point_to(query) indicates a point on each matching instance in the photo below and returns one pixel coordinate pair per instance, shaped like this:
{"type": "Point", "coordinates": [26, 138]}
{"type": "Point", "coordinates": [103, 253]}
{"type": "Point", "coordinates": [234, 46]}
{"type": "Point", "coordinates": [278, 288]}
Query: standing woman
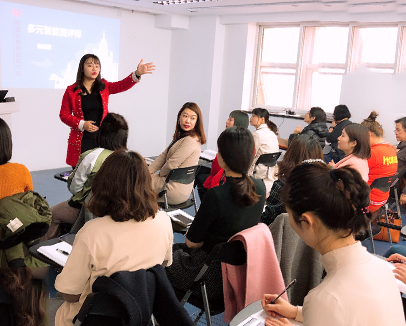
{"type": "Point", "coordinates": [225, 210]}
{"type": "Point", "coordinates": [182, 152]}
{"type": "Point", "coordinates": [14, 177]}
{"type": "Point", "coordinates": [333, 210]}
{"type": "Point", "coordinates": [266, 141]}
{"type": "Point", "coordinates": [382, 163]}
{"type": "Point", "coordinates": [85, 103]}
{"type": "Point", "coordinates": [354, 142]}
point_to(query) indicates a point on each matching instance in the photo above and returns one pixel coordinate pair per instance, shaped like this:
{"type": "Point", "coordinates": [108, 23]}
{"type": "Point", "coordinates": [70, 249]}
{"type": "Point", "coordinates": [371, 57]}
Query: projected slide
{"type": "Point", "coordinates": [41, 48]}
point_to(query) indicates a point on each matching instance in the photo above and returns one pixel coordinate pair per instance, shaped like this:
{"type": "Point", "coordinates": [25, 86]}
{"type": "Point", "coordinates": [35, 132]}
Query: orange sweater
{"type": "Point", "coordinates": [383, 163]}
{"type": "Point", "coordinates": [14, 178]}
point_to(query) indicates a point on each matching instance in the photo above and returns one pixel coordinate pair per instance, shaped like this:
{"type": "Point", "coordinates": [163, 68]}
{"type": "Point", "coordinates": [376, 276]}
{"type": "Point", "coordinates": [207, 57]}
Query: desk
{"type": "Point", "coordinates": [69, 238]}
{"type": "Point", "coordinates": [249, 310]}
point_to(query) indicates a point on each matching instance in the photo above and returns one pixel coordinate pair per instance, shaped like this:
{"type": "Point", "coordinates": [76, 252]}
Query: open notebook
{"type": "Point", "coordinates": [258, 319]}
{"type": "Point", "coordinates": [59, 252]}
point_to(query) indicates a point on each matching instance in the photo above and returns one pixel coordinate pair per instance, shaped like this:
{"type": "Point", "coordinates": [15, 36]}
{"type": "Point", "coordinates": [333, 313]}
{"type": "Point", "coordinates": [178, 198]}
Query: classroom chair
{"type": "Point", "coordinates": [130, 298]}
{"type": "Point", "coordinates": [184, 176]}
{"type": "Point", "coordinates": [232, 253]}
{"type": "Point", "coordinates": [268, 160]}
{"type": "Point", "coordinates": [384, 184]}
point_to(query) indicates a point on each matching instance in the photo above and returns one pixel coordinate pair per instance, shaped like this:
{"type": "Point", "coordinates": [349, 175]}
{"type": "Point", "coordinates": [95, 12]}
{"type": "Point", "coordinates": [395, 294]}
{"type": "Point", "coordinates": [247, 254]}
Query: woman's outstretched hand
{"type": "Point", "coordinates": [400, 267]}
{"type": "Point", "coordinates": [144, 68]}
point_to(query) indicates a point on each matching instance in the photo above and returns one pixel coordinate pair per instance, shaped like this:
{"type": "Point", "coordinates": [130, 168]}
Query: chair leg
{"type": "Point", "coordinates": [166, 201]}
{"type": "Point", "coordinates": [206, 303]}
{"type": "Point", "coordinates": [198, 317]}
{"type": "Point", "coordinates": [371, 238]}
{"type": "Point", "coordinates": [397, 205]}
{"type": "Point", "coordinates": [387, 221]}
{"type": "Point", "coordinates": [194, 200]}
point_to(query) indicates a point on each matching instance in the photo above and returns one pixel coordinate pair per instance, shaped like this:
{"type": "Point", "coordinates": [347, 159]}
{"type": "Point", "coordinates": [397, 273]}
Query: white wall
{"type": "Point", "coordinates": [196, 72]}
{"type": "Point", "coordinates": [40, 138]}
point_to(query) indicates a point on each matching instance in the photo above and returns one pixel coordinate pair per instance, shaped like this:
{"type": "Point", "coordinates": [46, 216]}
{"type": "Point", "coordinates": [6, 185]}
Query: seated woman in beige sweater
{"type": "Point", "coordinates": [182, 152]}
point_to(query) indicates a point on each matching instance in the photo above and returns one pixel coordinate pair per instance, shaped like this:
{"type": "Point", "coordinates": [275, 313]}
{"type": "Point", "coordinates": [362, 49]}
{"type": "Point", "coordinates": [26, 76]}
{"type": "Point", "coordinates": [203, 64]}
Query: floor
{"type": "Point", "coordinates": [56, 191]}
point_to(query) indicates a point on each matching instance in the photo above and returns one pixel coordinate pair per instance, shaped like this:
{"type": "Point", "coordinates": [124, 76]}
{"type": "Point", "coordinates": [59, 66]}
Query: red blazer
{"type": "Point", "coordinates": [71, 112]}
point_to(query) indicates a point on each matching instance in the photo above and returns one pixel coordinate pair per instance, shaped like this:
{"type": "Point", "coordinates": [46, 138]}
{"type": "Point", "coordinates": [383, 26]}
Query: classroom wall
{"type": "Point", "coordinates": [40, 138]}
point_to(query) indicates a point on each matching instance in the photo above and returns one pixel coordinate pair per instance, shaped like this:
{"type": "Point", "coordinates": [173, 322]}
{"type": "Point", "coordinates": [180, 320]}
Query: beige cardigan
{"type": "Point", "coordinates": [184, 153]}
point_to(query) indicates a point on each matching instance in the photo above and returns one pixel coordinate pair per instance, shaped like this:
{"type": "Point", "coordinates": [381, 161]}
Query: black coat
{"type": "Point", "coordinates": [319, 131]}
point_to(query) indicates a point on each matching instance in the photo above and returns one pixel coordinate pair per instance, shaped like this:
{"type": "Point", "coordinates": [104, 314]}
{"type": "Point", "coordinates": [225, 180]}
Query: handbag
{"type": "Point", "coordinates": [394, 234]}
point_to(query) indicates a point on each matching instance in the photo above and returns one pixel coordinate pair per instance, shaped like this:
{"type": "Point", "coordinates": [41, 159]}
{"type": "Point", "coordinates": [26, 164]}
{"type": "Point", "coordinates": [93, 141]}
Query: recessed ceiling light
{"type": "Point", "coordinates": [179, 2]}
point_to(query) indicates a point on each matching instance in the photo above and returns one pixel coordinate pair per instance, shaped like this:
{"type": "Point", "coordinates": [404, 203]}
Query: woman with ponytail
{"type": "Point", "coordinates": [335, 208]}
{"type": "Point", "coordinates": [266, 141]}
{"type": "Point", "coordinates": [225, 210]}
{"type": "Point", "coordinates": [382, 163]}
{"type": "Point", "coordinates": [28, 296]}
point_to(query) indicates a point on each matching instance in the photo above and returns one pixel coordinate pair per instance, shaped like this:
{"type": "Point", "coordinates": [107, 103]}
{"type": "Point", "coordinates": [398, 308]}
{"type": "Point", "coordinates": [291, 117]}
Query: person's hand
{"type": "Point", "coordinates": [333, 123]}
{"type": "Point", "coordinates": [89, 126]}
{"type": "Point", "coordinates": [402, 199]}
{"type": "Point", "coordinates": [144, 68]}
{"type": "Point", "coordinates": [331, 163]}
{"type": "Point", "coordinates": [298, 130]}
{"type": "Point", "coordinates": [276, 322]}
{"type": "Point", "coordinates": [280, 308]}
{"type": "Point", "coordinates": [396, 258]}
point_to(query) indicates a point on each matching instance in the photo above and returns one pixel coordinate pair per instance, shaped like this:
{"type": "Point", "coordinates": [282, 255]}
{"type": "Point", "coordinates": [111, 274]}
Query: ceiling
{"type": "Point", "coordinates": [244, 7]}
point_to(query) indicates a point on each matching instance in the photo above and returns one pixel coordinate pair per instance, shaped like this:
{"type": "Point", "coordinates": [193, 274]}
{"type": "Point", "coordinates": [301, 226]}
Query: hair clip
{"type": "Point", "coordinates": [363, 210]}
{"type": "Point", "coordinates": [314, 160]}
{"type": "Point", "coordinates": [334, 176]}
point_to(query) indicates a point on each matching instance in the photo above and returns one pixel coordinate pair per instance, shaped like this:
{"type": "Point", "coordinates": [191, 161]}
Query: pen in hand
{"type": "Point", "coordinates": [289, 285]}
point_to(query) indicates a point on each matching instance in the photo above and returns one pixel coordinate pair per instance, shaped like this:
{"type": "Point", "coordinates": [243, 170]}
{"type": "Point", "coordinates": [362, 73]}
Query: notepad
{"type": "Point", "coordinates": [181, 217]}
{"type": "Point", "coordinates": [208, 154]}
{"type": "Point", "coordinates": [53, 252]}
{"type": "Point", "coordinates": [258, 319]}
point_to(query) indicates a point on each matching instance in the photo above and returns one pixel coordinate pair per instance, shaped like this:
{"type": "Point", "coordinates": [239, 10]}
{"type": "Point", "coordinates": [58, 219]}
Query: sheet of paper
{"type": "Point", "coordinates": [258, 319]}
{"type": "Point", "coordinates": [401, 285]}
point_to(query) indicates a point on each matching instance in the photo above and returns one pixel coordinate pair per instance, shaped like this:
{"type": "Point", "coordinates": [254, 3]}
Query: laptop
{"type": "Point", "coordinates": [3, 94]}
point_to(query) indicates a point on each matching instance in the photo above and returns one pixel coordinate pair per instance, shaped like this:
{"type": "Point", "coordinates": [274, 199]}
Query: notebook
{"type": "Point", "coordinates": [208, 155]}
{"type": "Point", "coordinates": [58, 252]}
{"type": "Point", "coordinates": [181, 217]}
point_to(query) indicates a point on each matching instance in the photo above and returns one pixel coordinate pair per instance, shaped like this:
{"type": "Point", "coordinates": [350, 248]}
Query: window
{"type": "Point", "coordinates": [374, 48]}
{"type": "Point", "coordinates": [303, 66]}
{"type": "Point", "coordinates": [323, 66]}
{"type": "Point", "coordinates": [277, 67]}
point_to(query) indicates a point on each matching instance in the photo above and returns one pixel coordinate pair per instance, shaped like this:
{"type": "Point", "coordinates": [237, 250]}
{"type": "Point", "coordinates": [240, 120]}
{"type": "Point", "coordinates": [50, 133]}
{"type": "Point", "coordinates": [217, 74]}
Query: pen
{"type": "Point", "coordinates": [63, 252]}
{"type": "Point", "coordinates": [289, 285]}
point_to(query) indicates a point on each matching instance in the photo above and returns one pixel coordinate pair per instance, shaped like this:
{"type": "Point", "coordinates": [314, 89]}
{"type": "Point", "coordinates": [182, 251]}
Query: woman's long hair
{"type": "Point", "coordinates": [359, 133]}
{"type": "Point", "coordinates": [6, 143]}
{"type": "Point", "coordinates": [198, 130]}
{"type": "Point", "coordinates": [122, 188]}
{"type": "Point", "coordinates": [29, 295]}
{"type": "Point", "coordinates": [262, 113]}
{"type": "Point", "coordinates": [98, 84]}
{"type": "Point", "coordinates": [303, 147]}
{"type": "Point", "coordinates": [236, 147]}
{"type": "Point", "coordinates": [339, 197]}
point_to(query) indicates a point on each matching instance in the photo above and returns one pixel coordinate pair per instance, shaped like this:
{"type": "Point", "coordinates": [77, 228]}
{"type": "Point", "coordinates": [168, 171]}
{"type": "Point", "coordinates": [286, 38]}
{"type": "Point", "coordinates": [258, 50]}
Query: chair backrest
{"type": "Point", "coordinates": [183, 175]}
{"type": "Point", "coordinates": [384, 183]}
{"type": "Point", "coordinates": [232, 253]}
{"type": "Point", "coordinates": [269, 159]}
